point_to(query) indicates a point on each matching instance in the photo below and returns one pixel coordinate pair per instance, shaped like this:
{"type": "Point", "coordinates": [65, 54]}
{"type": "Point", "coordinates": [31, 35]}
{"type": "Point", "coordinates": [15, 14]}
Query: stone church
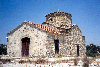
{"type": "Point", "coordinates": [56, 36]}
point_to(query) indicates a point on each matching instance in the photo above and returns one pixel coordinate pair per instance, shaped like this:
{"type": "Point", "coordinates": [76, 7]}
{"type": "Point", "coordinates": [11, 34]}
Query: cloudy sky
{"type": "Point", "coordinates": [85, 13]}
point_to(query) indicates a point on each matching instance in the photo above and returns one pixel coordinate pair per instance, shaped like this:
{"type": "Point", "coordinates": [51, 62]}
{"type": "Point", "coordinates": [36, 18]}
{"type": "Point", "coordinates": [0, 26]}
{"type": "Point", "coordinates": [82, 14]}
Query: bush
{"type": "Point", "coordinates": [21, 61]}
{"type": "Point", "coordinates": [4, 61]}
{"type": "Point", "coordinates": [39, 61]}
{"type": "Point", "coordinates": [59, 56]}
{"type": "Point", "coordinates": [24, 61]}
{"type": "Point", "coordinates": [85, 62]}
{"type": "Point", "coordinates": [76, 61]}
{"type": "Point", "coordinates": [3, 51]}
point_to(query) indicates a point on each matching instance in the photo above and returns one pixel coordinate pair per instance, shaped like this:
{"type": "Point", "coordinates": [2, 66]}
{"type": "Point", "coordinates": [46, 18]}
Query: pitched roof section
{"type": "Point", "coordinates": [43, 27]}
{"type": "Point", "coordinates": [37, 25]}
{"type": "Point", "coordinates": [48, 24]}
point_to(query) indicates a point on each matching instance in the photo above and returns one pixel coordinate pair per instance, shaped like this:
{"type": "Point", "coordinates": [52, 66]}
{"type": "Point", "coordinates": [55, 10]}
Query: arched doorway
{"type": "Point", "coordinates": [25, 46]}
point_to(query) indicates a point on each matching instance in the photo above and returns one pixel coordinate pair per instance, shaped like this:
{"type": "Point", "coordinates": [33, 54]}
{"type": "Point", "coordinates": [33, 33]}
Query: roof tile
{"type": "Point", "coordinates": [48, 29]}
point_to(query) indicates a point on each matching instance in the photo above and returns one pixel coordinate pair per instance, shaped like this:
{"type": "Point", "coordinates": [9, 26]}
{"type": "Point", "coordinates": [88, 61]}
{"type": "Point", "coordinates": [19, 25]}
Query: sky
{"type": "Point", "coordinates": [85, 13]}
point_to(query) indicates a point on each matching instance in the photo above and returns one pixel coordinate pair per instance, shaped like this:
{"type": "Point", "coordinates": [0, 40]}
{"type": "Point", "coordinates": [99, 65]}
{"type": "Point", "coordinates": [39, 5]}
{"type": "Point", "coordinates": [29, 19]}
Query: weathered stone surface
{"type": "Point", "coordinates": [42, 41]}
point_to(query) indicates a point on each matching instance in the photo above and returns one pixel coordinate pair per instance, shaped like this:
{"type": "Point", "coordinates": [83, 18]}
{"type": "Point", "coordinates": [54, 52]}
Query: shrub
{"type": "Point", "coordinates": [76, 61]}
{"type": "Point", "coordinates": [21, 61]}
{"type": "Point", "coordinates": [85, 62]}
{"type": "Point", "coordinates": [5, 60]}
{"type": "Point", "coordinates": [24, 61]}
{"type": "Point", "coordinates": [39, 61]}
{"type": "Point", "coordinates": [59, 56]}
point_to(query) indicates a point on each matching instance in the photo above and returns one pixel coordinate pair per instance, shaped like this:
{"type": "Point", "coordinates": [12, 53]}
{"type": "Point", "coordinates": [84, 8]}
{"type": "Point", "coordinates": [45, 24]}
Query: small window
{"type": "Point", "coordinates": [77, 50]}
{"type": "Point", "coordinates": [24, 27]}
{"type": "Point", "coordinates": [7, 39]}
{"type": "Point", "coordinates": [51, 20]}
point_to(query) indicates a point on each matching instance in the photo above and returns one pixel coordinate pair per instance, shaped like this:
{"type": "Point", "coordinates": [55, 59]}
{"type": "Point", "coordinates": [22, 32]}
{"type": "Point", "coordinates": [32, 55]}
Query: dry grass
{"type": "Point", "coordinates": [76, 61]}
{"type": "Point", "coordinates": [65, 61]}
{"type": "Point", "coordinates": [4, 61]}
{"type": "Point", "coordinates": [98, 57]}
{"type": "Point", "coordinates": [24, 61]}
{"type": "Point", "coordinates": [0, 56]}
{"type": "Point", "coordinates": [86, 62]}
{"type": "Point", "coordinates": [41, 61]}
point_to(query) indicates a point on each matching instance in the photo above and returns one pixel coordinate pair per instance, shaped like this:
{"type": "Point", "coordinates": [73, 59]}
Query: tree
{"type": "Point", "coordinates": [92, 50]}
{"type": "Point", "coordinates": [3, 50]}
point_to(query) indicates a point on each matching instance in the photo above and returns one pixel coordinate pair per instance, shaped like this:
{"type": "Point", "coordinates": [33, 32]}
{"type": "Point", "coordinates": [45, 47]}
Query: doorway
{"type": "Point", "coordinates": [25, 46]}
{"type": "Point", "coordinates": [56, 46]}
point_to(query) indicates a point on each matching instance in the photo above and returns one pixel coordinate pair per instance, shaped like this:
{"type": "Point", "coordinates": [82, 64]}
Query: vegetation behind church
{"type": "Point", "coordinates": [92, 50]}
{"type": "Point", "coordinates": [3, 49]}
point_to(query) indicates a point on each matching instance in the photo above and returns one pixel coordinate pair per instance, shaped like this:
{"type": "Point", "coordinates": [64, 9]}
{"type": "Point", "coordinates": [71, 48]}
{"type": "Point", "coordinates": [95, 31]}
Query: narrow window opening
{"type": "Point", "coordinates": [7, 39]}
{"type": "Point", "coordinates": [51, 20]}
{"type": "Point", "coordinates": [24, 27]}
{"type": "Point", "coordinates": [56, 46]}
{"type": "Point", "coordinates": [77, 50]}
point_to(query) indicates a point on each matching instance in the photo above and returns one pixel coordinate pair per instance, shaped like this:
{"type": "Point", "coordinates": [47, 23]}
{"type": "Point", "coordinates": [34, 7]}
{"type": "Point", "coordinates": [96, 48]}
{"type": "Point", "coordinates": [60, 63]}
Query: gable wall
{"type": "Point", "coordinates": [77, 39]}
{"type": "Point", "coordinates": [37, 41]}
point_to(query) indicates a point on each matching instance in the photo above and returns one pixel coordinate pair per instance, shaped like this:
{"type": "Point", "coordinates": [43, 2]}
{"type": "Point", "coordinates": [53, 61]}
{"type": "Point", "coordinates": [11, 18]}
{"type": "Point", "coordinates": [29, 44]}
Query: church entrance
{"type": "Point", "coordinates": [25, 46]}
{"type": "Point", "coordinates": [56, 46]}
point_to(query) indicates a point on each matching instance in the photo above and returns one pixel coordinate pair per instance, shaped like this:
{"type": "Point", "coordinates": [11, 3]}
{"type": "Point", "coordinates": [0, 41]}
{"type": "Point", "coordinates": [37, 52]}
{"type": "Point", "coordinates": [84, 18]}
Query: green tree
{"type": "Point", "coordinates": [3, 50]}
{"type": "Point", "coordinates": [92, 50]}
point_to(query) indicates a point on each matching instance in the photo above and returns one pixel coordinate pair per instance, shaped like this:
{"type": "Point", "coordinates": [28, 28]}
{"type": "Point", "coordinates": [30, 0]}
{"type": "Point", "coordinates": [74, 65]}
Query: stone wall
{"type": "Point", "coordinates": [60, 21]}
{"type": "Point", "coordinates": [37, 40]}
{"type": "Point", "coordinates": [77, 39]}
{"type": "Point", "coordinates": [67, 43]}
{"type": "Point", "coordinates": [42, 42]}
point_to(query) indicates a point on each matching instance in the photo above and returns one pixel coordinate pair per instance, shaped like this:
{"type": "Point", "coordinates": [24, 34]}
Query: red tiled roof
{"type": "Point", "coordinates": [43, 27]}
